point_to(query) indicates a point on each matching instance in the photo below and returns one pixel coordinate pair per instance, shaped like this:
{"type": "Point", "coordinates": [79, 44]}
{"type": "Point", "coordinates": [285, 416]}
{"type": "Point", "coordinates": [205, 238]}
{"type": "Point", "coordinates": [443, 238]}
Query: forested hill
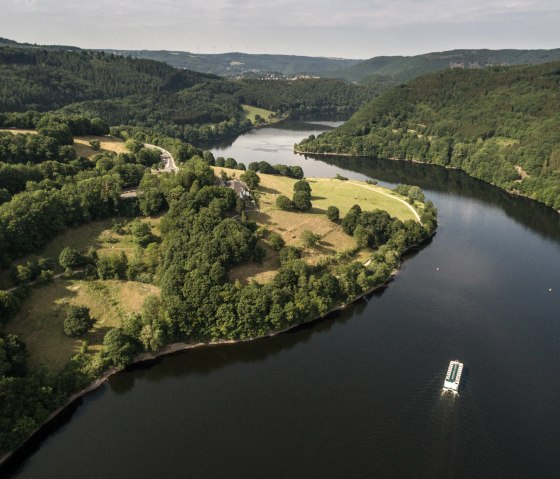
{"type": "Point", "coordinates": [195, 107]}
{"type": "Point", "coordinates": [398, 69]}
{"type": "Point", "coordinates": [47, 79]}
{"type": "Point", "coordinates": [236, 64]}
{"type": "Point", "coordinates": [500, 124]}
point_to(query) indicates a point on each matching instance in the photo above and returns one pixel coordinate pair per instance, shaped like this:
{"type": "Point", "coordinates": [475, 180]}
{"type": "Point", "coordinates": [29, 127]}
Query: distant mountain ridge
{"type": "Point", "coordinates": [400, 69]}
{"type": "Point", "coordinates": [235, 64]}
{"type": "Point", "coordinates": [387, 70]}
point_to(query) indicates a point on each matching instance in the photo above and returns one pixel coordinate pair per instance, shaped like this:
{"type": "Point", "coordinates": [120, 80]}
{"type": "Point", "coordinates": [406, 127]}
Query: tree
{"type": "Point", "coordinates": [118, 348]}
{"type": "Point", "coordinates": [142, 233]}
{"type": "Point", "coordinates": [309, 239]}
{"type": "Point", "coordinates": [415, 194]}
{"type": "Point", "coordinates": [333, 213]}
{"type": "Point", "coordinates": [9, 304]}
{"type": "Point", "coordinates": [69, 258]}
{"type": "Point", "coordinates": [284, 203]}
{"type": "Point", "coordinates": [302, 200]}
{"type": "Point", "coordinates": [276, 241]}
{"type": "Point", "coordinates": [230, 163]}
{"type": "Point", "coordinates": [302, 185]}
{"type": "Point", "coordinates": [78, 321]}
{"type": "Point", "coordinates": [251, 179]}
{"type": "Point", "coordinates": [95, 145]}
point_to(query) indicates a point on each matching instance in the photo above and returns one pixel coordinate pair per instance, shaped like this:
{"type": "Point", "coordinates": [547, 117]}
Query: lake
{"type": "Point", "coordinates": [358, 394]}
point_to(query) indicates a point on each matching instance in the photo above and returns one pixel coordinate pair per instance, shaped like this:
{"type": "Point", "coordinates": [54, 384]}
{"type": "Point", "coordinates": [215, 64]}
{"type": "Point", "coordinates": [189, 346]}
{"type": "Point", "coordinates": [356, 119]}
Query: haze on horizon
{"type": "Point", "coordinates": [349, 29]}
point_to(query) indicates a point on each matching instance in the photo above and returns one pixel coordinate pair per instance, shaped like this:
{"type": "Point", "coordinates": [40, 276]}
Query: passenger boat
{"type": "Point", "coordinates": [453, 376]}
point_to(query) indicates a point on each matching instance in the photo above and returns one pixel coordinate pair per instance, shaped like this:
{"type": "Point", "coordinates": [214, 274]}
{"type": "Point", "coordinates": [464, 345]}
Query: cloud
{"type": "Point", "coordinates": [331, 27]}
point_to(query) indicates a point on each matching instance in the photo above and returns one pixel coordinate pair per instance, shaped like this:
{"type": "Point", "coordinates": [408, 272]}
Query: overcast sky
{"type": "Point", "coordinates": [349, 28]}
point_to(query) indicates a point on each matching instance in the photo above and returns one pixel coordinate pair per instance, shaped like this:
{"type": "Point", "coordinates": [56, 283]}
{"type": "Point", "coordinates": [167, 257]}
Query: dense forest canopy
{"type": "Point", "coordinates": [192, 106]}
{"type": "Point", "coordinates": [500, 125]}
{"type": "Point", "coordinates": [397, 69]}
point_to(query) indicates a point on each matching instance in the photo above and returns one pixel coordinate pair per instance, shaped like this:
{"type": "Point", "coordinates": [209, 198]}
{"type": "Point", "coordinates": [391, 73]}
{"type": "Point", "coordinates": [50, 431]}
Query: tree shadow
{"type": "Point", "coordinates": [265, 189]}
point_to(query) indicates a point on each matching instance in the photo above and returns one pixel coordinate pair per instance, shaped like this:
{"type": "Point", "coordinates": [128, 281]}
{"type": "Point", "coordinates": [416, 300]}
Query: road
{"type": "Point", "coordinates": [166, 158]}
{"type": "Point", "coordinates": [169, 167]}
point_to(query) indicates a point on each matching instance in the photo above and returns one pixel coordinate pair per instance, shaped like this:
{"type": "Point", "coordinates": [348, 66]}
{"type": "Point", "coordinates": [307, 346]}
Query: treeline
{"type": "Point", "coordinates": [499, 125]}
{"type": "Point", "coordinates": [305, 97]}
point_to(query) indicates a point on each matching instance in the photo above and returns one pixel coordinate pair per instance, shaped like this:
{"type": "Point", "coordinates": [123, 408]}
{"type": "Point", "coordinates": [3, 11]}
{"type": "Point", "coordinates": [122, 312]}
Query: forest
{"type": "Point", "coordinates": [191, 106]}
{"type": "Point", "coordinates": [499, 125]}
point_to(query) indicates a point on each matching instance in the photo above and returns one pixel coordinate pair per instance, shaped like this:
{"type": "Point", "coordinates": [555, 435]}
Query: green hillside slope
{"type": "Point", "coordinates": [500, 124]}
{"type": "Point", "coordinates": [400, 68]}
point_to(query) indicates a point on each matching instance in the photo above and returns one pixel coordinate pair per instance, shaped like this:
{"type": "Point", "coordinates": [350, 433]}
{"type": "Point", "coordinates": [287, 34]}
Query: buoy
{"type": "Point", "coordinates": [550, 289]}
{"type": "Point", "coordinates": [437, 269]}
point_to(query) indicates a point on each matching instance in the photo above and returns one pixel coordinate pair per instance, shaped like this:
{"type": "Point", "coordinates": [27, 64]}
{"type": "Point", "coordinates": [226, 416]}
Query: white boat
{"type": "Point", "coordinates": [453, 376]}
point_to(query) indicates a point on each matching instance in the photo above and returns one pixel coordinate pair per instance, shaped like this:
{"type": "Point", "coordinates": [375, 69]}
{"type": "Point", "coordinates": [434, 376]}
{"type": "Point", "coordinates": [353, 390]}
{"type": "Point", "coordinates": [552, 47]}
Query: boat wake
{"type": "Point", "coordinates": [434, 434]}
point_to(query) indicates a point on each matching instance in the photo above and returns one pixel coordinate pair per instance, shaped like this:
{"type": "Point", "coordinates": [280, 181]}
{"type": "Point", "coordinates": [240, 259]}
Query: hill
{"type": "Point", "coordinates": [195, 107]}
{"type": "Point", "coordinates": [237, 64]}
{"type": "Point", "coordinates": [499, 124]}
{"type": "Point", "coordinates": [397, 69]}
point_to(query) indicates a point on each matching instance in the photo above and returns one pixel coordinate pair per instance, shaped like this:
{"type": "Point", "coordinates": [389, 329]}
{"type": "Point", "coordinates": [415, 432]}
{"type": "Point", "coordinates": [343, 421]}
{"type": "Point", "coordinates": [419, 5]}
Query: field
{"type": "Point", "coordinates": [40, 320]}
{"type": "Point", "coordinates": [290, 225]}
{"type": "Point", "coordinates": [108, 143]}
{"type": "Point", "coordinates": [251, 111]}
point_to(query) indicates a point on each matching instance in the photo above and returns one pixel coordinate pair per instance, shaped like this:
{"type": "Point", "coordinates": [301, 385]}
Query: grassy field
{"type": "Point", "coordinates": [97, 234]}
{"type": "Point", "coordinates": [251, 111]}
{"type": "Point", "coordinates": [40, 320]}
{"type": "Point", "coordinates": [290, 225]}
{"type": "Point", "coordinates": [81, 143]}
{"type": "Point", "coordinates": [108, 143]}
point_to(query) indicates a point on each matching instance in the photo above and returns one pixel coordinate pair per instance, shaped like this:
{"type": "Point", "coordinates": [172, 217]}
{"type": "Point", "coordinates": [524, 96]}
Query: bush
{"type": "Point", "coordinates": [333, 213]}
{"type": "Point", "coordinates": [309, 239]}
{"type": "Point", "coordinates": [95, 145]}
{"type": "Point", "coordinates": [276, 241]}
{"type": "Point", "coordinates": [289, 253]}
{"type": "Point", "coordinates": [69, 258]}
{"type": "Point", "coordinates": [78, 321]}
{"type": "Point", "coordinates": [284, 203]}
{"type": "Point", "coordinates": [9, 305]}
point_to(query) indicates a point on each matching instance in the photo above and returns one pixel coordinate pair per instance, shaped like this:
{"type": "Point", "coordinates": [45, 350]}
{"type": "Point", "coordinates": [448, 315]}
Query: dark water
{"type": "Point", "coordinates": [359, 394]}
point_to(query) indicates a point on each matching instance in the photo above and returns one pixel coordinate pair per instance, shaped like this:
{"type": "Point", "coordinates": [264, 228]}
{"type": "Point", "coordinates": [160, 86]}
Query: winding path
{"type": "Point", "coordinates": [166, 157]}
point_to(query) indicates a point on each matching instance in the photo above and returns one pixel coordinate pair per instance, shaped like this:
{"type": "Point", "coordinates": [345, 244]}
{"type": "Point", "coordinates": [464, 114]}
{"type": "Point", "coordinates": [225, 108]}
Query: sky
{"type": "Point", "coordinates": [331, 28]}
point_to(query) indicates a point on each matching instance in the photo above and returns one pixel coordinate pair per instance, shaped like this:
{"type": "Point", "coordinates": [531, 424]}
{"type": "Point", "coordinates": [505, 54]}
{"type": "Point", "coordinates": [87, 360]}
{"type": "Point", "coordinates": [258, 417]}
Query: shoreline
{"type": "Point", "coordinates": [447, 167]}
{"type": "Point", "coordinates": [173, 348]}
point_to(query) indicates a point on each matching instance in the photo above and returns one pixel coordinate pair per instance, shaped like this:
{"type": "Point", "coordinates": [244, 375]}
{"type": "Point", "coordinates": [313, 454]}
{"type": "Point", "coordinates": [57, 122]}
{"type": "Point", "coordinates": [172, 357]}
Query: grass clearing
{"type": "Point", "coordinates": [290, 225]}
{"type": "Point", "coordinates": [251, 111]}
{"type": "Point", "coordinates": [40, 321]}
{"type": "Point", "coordinates": [108, 143]}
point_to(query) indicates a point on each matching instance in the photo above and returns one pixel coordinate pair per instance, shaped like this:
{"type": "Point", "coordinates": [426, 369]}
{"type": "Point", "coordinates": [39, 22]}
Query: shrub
{"type": "Point", "coordinates": [69, 258]}
{"type": "Point", "coordinates": [309, 239]}
{"type": "Point", "coordinates": [276, 241]}
{"type": "Point", "coordinates": [78, 321]}
{"type": "Point", "coordinates": [284, 203]}
{"type": "Point", "coordinates": [333, 213]}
